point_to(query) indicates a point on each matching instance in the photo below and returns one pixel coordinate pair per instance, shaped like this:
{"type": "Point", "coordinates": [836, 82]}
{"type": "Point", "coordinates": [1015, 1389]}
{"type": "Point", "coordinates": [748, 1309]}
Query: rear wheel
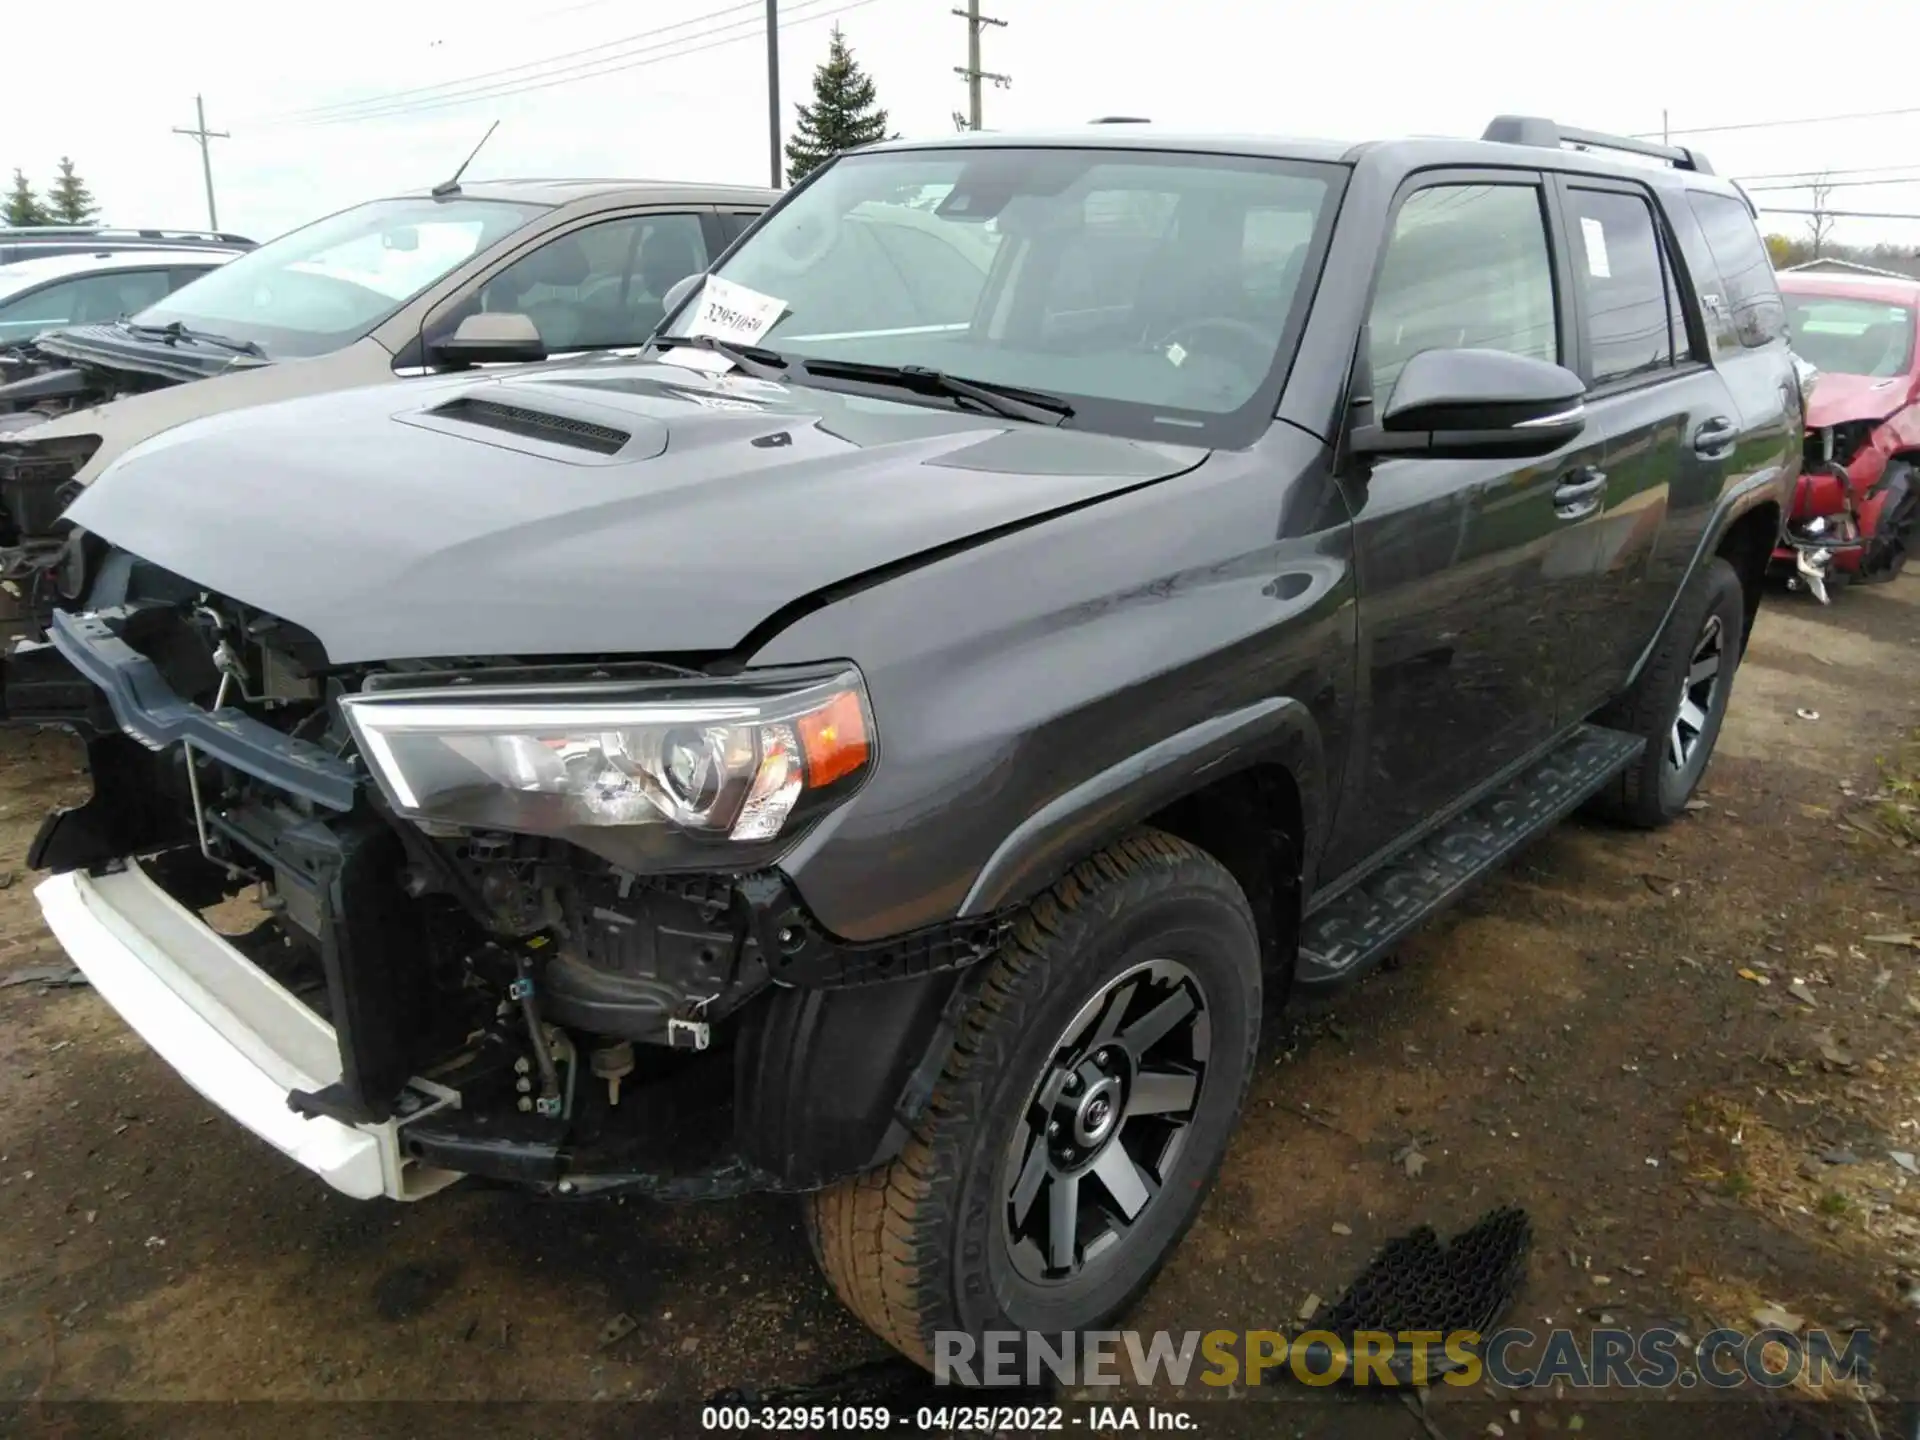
{"type": "Point", "coordinates": [1679, 701]}
{"type": "Point", "coordinates": [1081, 1119]}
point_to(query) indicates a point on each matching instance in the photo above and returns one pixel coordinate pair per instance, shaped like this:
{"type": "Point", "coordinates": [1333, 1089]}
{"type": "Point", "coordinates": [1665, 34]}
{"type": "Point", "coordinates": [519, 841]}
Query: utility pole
{"type": "Point", "coordinates": [202, 134]}
{"type": "Point", "coordinates": [1665, 138]}
{"type": "Point", "coordinates": [972, 71]}
{"type": "Point", "coordinates": [773, 92]}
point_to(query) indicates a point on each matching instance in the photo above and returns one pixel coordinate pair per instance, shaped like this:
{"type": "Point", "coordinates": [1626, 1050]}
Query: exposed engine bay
{"type": "Point", "coordinates": [36, 385]}
{"type": "Point", "coordinates": [512, 990]}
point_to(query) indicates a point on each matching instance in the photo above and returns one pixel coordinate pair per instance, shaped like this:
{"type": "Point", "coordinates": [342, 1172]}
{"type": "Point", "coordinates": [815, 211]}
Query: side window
{"type": "Point", "coordinates": [1621, 279]}
{"type": "Point", "coordinates": [107, 297]}
{"type": "Point", "coordinates": [597, 287]}
{"type": "Point", "coordinates": [1750, 297]}
{"type": "Point", "coordinates": [33, 313]}
{"type": "Point", "coordinates": [1466, 265]}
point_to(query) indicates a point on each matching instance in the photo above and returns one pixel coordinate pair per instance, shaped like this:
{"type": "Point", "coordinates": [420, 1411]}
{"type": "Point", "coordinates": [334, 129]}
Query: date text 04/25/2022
{"type": "Point", "coordinates": [947, 1419]}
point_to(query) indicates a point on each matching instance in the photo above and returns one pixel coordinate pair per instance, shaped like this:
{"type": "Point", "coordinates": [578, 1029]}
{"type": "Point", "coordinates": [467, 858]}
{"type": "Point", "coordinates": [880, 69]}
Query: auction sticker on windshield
{"type": "Point", "coordinates": [726, 311]}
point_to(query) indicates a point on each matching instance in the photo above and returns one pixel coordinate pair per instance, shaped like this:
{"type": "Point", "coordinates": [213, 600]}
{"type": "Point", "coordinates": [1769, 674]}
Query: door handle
{"type": "Point", "coordinates": [1579, 493]}
{"type": "Point", "coordinates": [1714, 439]}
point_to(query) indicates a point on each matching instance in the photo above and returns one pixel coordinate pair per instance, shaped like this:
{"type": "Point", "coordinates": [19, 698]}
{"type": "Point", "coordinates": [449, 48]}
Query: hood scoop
{"type": "Point", "coordinates": [571, 430]}
{"type": "Point", "coordinates": [535, 424]}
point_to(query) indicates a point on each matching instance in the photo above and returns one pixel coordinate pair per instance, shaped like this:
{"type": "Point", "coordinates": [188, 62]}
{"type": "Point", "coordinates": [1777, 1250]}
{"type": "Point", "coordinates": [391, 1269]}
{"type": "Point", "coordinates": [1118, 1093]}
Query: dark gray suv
{"type": "Point", "coordinates": [1038, 601]}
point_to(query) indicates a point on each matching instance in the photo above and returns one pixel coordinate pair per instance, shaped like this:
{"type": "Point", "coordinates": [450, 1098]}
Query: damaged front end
{"type": "Point", "coordinates": [1855, 509]}
{"type": "Point", "coordinates": [44, 561]}
{"type": "Point", "coordinates": [520, 922]}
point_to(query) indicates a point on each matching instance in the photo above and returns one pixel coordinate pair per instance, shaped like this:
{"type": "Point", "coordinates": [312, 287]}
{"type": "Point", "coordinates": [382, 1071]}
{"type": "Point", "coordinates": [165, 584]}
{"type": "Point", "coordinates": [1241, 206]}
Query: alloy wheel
{"type": "Point", "coordinates": [1698, 693]}
{"type": "Point", "coordinates": [1104, 1125]}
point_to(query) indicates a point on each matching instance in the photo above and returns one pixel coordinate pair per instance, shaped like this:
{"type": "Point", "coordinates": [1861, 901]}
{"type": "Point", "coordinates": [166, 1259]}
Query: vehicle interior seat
{"type": "Point", "coordinates": [667, 256]}
{"type": "Point", "coordinates": [560, 266]}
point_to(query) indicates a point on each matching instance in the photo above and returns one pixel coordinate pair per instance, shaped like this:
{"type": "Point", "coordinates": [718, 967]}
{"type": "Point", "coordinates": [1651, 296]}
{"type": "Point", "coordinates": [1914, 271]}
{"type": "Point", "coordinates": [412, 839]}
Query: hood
{"type": "Point", "coordinates": [111, 347]}
{"type": "Point", "coordinates": [1837, 398]}
{"type": "Point", "coordinates": [629, 508]}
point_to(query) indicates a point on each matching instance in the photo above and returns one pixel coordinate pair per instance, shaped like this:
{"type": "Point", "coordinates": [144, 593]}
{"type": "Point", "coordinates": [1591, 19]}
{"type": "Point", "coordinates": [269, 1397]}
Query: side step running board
{"type": "Point", "coordinates": [1358, 927]}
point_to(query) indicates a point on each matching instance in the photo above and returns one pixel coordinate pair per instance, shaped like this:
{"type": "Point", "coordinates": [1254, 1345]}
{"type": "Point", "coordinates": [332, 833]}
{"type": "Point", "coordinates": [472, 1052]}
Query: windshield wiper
{"type": "Point", "coordinates": [753, 360]}
{"type": "Point", "coordinates": [174, 331]}
{"type": "Point", "coordinates": [1008, 401]}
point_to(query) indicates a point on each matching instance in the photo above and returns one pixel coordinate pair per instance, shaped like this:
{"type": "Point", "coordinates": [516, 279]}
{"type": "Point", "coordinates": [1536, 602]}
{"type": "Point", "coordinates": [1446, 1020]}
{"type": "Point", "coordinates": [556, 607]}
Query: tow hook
{"type": "Point", "coordinates": [1813, 545]}
{"type": "Point", "coordinates": [1810, 567]}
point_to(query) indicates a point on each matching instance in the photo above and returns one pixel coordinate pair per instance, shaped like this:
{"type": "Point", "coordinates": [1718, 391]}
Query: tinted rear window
{"type": "Point", "coordinates": [1748, 292]}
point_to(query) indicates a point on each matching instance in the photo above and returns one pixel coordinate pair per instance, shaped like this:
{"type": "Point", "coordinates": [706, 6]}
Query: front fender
{"type": "Point", "coordinates": [1082, 819]}
{"type": "Point", "coordinates": [1037, 694]}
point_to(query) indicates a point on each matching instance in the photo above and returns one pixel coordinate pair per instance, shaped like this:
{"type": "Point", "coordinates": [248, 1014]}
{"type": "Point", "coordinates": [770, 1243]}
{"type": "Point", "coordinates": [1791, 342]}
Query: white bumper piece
{"type": "Point", "coordinates": [233, 1032]}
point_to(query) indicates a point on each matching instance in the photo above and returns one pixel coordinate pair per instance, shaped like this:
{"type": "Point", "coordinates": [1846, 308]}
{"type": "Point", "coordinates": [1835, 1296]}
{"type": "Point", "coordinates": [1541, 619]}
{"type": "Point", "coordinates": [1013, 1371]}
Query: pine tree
{"type": "Point", "coordinates": [69, 201]}
{"type": "Point", "coordinates": [844, 113]}
{"type": "Point", "coordinates": [22, 205]}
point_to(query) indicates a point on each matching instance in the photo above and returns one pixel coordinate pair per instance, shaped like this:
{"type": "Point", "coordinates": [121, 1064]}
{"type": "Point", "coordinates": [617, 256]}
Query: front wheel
{"type": "Point", "coordinates": [1678, 703]}
{"type": "Point", "coordinates": [1080, 1120]}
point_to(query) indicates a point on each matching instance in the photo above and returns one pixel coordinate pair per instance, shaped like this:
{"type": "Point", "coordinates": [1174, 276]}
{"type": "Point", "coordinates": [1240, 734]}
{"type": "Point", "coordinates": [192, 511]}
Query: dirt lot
{"type": "Point", "coordinates": [1681, 1052]}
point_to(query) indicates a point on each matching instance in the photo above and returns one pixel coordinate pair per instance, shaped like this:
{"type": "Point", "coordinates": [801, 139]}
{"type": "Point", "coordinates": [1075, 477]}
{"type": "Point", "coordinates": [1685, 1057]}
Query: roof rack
{"type": "Point", "coordinates": [1120, 120]}
{"type": "Point", "coordinates": [110, 232]}
{"type": "Point", "coordinates": [1546, 134]}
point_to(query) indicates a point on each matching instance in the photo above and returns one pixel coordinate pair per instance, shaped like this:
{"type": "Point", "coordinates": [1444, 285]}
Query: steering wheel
{"type": "Point", "coordinates": [1246, 345]}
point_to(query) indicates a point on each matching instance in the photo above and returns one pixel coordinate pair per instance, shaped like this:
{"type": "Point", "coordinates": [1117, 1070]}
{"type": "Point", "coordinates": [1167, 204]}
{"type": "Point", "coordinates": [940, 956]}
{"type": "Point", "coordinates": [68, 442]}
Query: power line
{"type": "Point", "coordinates": [1845, 214]}
{"type": "Point", "coordinates": [203, 135]}
{"type": "Point", "coordinates": [338, 107]}
{"type": "Point", "coordinates": [1780, 124]}
{"type": "Point", "coordinates": [1817, 174]}
{"type": "Point", "coordinates": [971, 71]}
{"type": "Point", "coordinates": [654, 54]}
{"type": "Point", "coordinates": [1824, 184]}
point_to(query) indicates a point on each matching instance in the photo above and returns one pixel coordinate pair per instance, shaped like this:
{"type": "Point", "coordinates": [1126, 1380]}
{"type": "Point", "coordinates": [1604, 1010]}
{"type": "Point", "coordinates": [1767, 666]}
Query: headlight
{"type": "Point", "coordinates": [731, 759]}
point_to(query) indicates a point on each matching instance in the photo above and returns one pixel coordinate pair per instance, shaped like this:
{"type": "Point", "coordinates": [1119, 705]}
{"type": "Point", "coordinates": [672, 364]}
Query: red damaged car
{"type": "Point", "coordinates": [1858, 500]}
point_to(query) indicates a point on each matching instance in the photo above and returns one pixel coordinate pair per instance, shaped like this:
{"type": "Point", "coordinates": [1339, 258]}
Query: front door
{"type": "Point", "coordinates": [598, 286]}
{"type": "Point", "coordinates": [1461, 610]}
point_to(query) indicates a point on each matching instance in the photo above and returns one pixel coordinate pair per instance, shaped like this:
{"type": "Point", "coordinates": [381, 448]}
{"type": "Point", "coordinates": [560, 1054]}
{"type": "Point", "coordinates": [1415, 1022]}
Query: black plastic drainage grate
{"type": "Point", "coordinates": [1418, 1283]}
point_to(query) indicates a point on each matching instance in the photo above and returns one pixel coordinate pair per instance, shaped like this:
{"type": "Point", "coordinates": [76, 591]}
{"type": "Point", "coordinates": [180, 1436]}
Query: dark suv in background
{"type": "Point", "coordinates": [887, 741]}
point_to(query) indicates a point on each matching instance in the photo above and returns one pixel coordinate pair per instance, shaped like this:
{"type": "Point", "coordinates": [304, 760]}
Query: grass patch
{"type": "Point", "coordinates": [1898, 810]}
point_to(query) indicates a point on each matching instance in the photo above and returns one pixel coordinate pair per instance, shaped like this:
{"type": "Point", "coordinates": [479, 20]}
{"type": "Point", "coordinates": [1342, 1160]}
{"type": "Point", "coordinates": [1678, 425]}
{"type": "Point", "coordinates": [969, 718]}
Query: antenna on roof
{"type": "Point", "coordinates": [452, 187]}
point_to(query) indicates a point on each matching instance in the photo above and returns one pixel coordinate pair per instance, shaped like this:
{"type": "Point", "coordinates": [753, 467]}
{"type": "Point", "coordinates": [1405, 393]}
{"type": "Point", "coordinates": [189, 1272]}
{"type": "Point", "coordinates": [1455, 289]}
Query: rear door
{"type": "Point", "coordinates": [1668, 420]}
{"type": "Point", "coordinates": [1462, 609]}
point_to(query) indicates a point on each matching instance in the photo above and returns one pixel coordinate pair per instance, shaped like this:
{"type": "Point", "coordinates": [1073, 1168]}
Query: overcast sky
{"type": "Point", "coordinates": [1353, 69]}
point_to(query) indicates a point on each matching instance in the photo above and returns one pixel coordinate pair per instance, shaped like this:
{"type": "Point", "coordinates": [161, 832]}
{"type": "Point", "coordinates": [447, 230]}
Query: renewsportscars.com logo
{"type": "Point", "coordinates": [1518, 1359]}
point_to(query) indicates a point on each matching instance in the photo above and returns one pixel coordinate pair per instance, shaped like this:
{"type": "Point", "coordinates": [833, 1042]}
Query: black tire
{"type": "Point", "coordinates": [1654, 790]}
{"type": "Point", "coordinates": [929, 1243]}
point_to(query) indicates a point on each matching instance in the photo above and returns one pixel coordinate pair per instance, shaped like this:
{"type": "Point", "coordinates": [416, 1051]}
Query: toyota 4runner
{"type": "Point", "coordinates": [891, 740]}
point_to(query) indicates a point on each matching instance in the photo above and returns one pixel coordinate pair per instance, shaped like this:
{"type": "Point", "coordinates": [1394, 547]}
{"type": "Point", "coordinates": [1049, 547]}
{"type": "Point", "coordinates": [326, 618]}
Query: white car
{"type": "Point", "coordinates": [50, 291]}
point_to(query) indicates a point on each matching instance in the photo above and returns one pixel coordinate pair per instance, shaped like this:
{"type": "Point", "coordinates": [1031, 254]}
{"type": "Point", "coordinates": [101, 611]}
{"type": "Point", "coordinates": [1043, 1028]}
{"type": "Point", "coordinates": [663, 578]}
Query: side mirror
{"type": "Point", "coordinates": [491, 340]}
{"type": "Point", "coordinates": [1473, 404]}
{"type": "Point", "coordinates": [680, 290]}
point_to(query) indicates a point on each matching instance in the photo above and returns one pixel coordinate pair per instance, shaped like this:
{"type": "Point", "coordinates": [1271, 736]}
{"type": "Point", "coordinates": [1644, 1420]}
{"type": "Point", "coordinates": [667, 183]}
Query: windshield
{"type": "Point", "coordinates": [328, 284]}
{"type": "Point", "coordinates": [1156, 292]}
{"type": "Point", "coordinates": [1844, 336]}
